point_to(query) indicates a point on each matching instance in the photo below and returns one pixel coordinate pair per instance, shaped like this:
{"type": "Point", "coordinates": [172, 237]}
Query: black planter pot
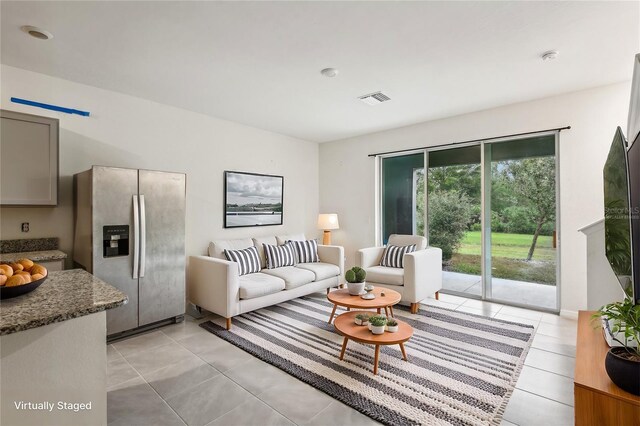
{"type": "Point", "coordinates": [622, 371]}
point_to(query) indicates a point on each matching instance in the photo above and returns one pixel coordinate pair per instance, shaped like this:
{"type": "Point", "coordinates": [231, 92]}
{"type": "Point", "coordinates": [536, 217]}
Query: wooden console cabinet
{"type": "Point", "coordinates": [598, 401]}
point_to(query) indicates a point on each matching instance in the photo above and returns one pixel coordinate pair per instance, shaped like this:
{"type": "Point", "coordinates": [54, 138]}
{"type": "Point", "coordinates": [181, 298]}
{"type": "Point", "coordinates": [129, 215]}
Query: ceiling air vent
{"type": "Point", "coordinates": [374, 98]}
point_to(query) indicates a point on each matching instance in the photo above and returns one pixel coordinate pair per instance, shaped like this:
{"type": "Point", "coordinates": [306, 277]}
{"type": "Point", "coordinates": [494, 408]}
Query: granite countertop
{"type": "Point", "coordinates": [36, 256]}
{"type": "Point", "coordinates": [63, 296]}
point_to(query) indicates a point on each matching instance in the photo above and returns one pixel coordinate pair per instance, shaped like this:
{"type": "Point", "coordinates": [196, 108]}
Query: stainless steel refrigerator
{"type": "Point", "coordinates": [130, 232]}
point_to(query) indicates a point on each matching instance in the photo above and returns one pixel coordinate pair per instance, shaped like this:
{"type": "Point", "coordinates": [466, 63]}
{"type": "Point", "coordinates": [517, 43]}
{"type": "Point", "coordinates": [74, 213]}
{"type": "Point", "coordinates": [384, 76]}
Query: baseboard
{"type": "Point", "coordinates": [569, 314]}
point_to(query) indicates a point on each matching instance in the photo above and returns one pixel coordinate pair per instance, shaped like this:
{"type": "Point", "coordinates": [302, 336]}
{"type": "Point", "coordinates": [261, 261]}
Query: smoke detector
{"type": "Point", "coordinates": [329, 72]}
{"type": "Point", "coordinates": [374, 98]}
{"type": "Point", "coordinates": [36, 32]}
{"type": "Point", "coordinates": [549, 55]}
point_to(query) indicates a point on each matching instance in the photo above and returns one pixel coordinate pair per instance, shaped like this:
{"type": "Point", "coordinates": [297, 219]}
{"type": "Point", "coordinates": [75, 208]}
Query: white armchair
{"type": "Point", "coordinates": [421, 275]}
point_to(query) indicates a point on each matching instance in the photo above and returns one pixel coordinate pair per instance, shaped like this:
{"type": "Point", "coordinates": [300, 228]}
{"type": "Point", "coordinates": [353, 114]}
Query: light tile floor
{"type": "Point", "coordinates": [182, 374]}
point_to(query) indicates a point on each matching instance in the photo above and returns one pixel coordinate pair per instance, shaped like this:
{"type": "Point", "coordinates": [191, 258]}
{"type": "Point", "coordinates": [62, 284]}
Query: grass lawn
{"type": "Point", "coordinates": [512, 246]}
{"type": "Point", "coordinates": [509, 252]}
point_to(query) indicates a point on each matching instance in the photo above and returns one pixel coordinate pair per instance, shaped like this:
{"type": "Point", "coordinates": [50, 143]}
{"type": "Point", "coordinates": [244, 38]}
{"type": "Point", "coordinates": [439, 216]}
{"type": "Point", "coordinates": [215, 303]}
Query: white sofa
{"type": "Point", "coordinates": [420, 277]}
{"type": "Point", "coordinates": [213, 282]}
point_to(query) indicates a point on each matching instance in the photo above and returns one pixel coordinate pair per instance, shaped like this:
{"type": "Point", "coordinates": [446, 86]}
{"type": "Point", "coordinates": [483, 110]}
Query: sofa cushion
{"type": "Point", "coordinates": [385, 275]}
{"type": "Point", "coordinates": [279, 256]}
{"type": "Point", "coordinates": [306, 251]}
{"type": "Point", "coordinates": [293, 277]}
{"type": "Point", "coordinates": [281, 239]}
{"type": "Point", "coordinates": [217, 248]}
{"type": "Point", "coordinates": [259, 284]}
{"type": "Point", "coordinates": [258, 242]}
{"type": "Point", "coordinates": [393, 256]}
{"type": "Point", "coordinates": [247, 260]}
{"type": "Point", "coordinates": [321, 270]}
{"type": "Point", "coordinates": [407, 240]}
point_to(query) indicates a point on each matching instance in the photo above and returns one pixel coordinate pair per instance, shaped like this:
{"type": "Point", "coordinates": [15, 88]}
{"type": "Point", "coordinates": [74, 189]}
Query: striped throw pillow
{"type": "Point", "coordinates": [247, 260]}
{"type": "Point", "coordinates": [279, 256]}
{"type": "Point", "coordinates": [393, 256]}
{"type": "Point", "coordinates": [307, 251]}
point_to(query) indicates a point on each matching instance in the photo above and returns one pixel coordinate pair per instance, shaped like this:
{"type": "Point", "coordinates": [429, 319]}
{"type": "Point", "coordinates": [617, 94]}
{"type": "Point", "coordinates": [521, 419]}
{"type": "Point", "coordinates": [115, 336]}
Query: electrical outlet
{"type": "Point", "coordinates": [25, 226]}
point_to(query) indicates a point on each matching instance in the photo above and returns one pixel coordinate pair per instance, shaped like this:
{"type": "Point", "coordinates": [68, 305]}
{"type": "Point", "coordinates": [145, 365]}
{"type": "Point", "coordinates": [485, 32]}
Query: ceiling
{"type": "Point", "coordinates": [258, 63]}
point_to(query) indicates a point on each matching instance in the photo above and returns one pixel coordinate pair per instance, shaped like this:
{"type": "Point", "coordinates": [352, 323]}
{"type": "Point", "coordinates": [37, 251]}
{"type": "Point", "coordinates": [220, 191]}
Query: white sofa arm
{"type": "Point", "coordinates": [368, 257]}
{"type": "Point", "coordinates": [422, 273]}
{"type": "Point", "coordinates": [213, 285]}
{"type": "Point", "coordinates": [333, 255]}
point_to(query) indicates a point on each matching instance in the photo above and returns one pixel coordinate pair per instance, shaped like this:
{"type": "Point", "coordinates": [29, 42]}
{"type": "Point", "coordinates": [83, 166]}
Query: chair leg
{"type": "Point", "coordinates": [414, 308]}
{"type": "Point", "coordinates": [328, 290]}
{"type": "Point", "coordinates": [228, 323]}
{"type": "Point", "coordinates": [437, 295]}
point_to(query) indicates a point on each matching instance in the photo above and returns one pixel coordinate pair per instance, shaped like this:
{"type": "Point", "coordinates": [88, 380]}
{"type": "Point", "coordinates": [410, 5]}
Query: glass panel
{"type": "Point", "coordinates": [521, 232]}
{"type": "Point", "coordinates": [454, 194]}
{"type": "Point", "coordinates": [402, 195]}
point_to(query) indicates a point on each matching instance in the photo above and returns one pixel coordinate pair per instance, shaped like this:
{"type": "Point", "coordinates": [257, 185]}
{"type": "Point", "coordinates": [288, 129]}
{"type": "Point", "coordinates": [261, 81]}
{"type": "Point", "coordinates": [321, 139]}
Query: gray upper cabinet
{"type": "Point", "coordinates": [28, 160]}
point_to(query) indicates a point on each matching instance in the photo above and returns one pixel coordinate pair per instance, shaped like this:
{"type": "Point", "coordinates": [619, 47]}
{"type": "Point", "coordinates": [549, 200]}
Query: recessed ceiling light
{"type": "Point", "coordinates": [549, 55]}
{"type": "Point", "coordinates": [36, 32]}
{"type": "Point", "coordinates": [329, 72]}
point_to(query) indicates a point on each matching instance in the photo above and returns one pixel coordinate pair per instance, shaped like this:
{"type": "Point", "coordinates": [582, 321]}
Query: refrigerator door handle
{"type": "Point", "coordinates": [143, 236]}
{"type": "Point", "coordinates": [136, 227]}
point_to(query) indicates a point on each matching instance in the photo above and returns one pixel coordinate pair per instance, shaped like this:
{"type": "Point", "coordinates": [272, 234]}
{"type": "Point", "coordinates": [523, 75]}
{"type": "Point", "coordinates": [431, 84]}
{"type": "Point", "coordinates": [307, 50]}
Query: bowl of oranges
{"type": "Point", "coordinates": [20, 277]}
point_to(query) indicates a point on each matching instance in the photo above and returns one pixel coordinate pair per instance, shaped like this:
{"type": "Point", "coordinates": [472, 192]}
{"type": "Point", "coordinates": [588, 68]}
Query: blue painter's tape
{"type": "Point", "coordinates": [51, 107]}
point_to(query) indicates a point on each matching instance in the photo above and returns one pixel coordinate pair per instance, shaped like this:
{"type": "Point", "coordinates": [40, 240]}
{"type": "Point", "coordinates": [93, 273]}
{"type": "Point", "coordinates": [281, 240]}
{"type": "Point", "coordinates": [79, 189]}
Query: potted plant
{"type": "Point", "coordinates": [623, 362]}
{"type": "Point", "coordinates": [392, 325]}
{"type": "Point", "coordinates": [362, 319]}
{"type": "Point", "coordinates": [378, 324]}
{"type": "Point", "coordinates": [355, 280]}
{"type": "Point", "coordinates": [374, 316]}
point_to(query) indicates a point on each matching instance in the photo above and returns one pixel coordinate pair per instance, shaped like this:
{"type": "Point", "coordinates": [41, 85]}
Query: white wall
{"type": "Point", "coordinates": [348, 181]}
{"type": "Point", "coordinates": [131, 132]}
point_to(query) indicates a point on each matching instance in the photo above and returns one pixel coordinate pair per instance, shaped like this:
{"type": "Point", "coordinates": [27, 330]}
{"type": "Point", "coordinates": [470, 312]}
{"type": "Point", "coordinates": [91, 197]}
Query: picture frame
{"type": "Point", "coordinates": [253, 199]}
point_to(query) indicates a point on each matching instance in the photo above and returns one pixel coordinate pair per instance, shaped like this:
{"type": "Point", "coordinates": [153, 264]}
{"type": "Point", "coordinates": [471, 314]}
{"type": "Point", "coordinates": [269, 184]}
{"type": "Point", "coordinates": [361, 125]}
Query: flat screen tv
{"type": "Point", "coordinates": [622, 213]}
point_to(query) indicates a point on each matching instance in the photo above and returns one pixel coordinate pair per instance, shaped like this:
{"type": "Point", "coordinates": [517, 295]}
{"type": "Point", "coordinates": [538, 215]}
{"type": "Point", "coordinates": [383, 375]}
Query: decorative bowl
{"type": "Point", "coordinates": [19, 290]}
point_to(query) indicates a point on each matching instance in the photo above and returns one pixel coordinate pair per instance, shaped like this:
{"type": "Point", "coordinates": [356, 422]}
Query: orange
{"type": "Point", "coordinates": [16, 267]}
{"type": "Point", "coordinates": [39, 269]}
{"type": "Point", "coordinates": [6, 270]}
{"type": "Point", "coordinates": [15, 280]}
{"type": "Point", "coordinates": [26, 263]}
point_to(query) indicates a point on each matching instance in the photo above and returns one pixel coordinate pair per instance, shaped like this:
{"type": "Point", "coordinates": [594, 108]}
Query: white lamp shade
{"type": "Point", "coordinates": [328, 221]}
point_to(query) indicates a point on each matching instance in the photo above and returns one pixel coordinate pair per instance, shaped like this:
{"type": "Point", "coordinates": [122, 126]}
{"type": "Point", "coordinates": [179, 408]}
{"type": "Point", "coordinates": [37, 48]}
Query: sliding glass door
{"type": "Point", "coordinates": [520, 199]}
{"type": "Point", "coordinates": [403, 195]}
{"type": "Point", "coordinates": [454, 220]}
{"type": "Point", "coordinates": [492, 209]}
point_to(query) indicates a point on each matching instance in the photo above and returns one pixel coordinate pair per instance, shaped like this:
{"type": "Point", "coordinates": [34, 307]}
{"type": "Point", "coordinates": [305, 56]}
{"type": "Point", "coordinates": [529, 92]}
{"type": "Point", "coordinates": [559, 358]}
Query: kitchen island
{"type": "Point", "coordinates": [53, 353]}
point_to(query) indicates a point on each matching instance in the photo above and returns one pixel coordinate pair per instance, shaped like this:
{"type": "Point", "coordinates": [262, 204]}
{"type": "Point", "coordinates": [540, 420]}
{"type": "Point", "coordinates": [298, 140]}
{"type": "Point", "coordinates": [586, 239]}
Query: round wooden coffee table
{"type": "Point", "coordinates": [345, 325]}
{"type": "Point", "coordinates": [343, 298]}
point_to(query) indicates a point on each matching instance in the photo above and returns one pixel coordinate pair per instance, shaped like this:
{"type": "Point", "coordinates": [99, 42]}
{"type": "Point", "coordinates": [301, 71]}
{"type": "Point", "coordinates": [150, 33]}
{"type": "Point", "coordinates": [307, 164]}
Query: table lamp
{"type": "Point", "coordinates": [327, 222]}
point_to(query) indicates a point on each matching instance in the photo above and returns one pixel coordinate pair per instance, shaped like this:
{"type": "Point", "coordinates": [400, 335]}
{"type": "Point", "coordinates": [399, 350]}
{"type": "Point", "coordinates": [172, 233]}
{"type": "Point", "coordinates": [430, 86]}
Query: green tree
{"type": "Point", "coordinates": [449, 215]}
{"type": "Point", "coordinates": [533, 182]}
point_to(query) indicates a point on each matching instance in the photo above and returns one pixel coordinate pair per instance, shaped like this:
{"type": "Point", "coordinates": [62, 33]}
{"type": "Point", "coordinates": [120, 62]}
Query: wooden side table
{"type": "Point", "coordinates": [598, 401]}
{"type": "Point", "coordinates": [346, 326]}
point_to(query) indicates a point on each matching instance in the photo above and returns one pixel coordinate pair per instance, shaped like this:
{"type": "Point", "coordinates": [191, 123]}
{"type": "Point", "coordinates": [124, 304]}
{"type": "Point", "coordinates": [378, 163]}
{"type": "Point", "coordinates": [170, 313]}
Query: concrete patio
{"type": "Point", "coordinates": [521, 292]}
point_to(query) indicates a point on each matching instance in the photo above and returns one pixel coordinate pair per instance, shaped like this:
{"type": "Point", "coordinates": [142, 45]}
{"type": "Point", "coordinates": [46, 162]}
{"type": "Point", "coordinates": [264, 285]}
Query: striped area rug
{"type": "Point", "coordinates": [462, 367]}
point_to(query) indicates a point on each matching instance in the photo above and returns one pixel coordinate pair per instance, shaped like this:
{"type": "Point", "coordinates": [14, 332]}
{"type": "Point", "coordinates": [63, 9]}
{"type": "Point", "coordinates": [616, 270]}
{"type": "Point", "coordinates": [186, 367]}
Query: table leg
{"type": "Point", "coordinates": [333, 312]}
{"type": "Point", "coordinates": [344, 348]}
{"type": "Point", "coordinates": [404, 353]}
{"type": "Point", "coordinates": [375, 360]}
{"type": "Point", "coordinates": [386, 311]}
{"type": "Point", "coordinates": [391, 310]}
{"type": "Point", "coordinates": [348, 308]}
{"type": "Point", "coordinates": [378, 310]}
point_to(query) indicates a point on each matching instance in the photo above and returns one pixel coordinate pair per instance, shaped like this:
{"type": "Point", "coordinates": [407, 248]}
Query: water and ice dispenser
{"type": "Point", "coordinates": [115, 240]}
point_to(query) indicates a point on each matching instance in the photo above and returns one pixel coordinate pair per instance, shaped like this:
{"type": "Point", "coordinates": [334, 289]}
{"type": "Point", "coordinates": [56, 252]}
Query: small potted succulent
{"type": "Point", "coordinates": [375, 316]}
{"type": "Point", "coordinates": [392, 325]}
{"type": "Point", "coordinates": [355, 280]}
{"type": "Point", "coordinates": [378, 324]}
{"type": "Point", "coordinates": [622, 363]}
{"type": "Point", "coordinates": [362, 319]}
